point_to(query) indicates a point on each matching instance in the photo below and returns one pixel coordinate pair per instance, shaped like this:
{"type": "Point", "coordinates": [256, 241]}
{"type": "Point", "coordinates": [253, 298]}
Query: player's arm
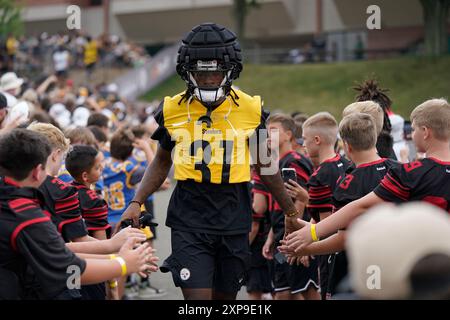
{"type": "Point", "coordinates": [270, 176]}
{"type": "Point", "coordinates": [276, 187]}
{"type": "Point", "coordinates": [154, 176]}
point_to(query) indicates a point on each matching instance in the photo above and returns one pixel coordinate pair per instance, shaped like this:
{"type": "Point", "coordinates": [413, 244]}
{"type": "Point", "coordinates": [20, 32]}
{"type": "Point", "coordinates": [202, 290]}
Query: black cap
{"type": "Point", "coordinates": [3, 101]}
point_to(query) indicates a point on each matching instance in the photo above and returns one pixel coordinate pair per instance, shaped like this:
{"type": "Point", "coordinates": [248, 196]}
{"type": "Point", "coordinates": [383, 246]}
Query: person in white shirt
{"type": "Point", "coordinates": [61, 60]}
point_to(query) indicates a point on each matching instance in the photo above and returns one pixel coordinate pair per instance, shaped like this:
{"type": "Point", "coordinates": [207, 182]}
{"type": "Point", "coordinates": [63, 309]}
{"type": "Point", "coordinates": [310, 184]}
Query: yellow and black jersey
{"type": "Point", "coordinates": [217, 152]}
{"type": "Point", "coordinates": [211, 160]}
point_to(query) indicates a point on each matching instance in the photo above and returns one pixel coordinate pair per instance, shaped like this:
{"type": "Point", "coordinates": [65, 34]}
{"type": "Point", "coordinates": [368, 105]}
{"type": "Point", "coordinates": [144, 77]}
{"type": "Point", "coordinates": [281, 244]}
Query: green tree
{"type": "Point", "coordinates": [435, 14]}
{"type": "Point", "coordinates": [10, 18]}
{"type": "Point", "coordinates": [241, 9]}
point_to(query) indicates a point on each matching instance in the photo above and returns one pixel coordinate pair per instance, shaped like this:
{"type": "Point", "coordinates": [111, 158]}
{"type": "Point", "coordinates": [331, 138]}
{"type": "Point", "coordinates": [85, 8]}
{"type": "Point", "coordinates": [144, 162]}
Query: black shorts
{"type": "Point", "coordinates": [259, 280]}
{"type": "Point", "coordinates": [296, 279]}
{"type": "Point", "coordinates": [338, 270]}
{"type": "Point", "coordinates": [201, 260]}
{"type": "Point", "coordinates": [324, 265]}
{"type": "Point", "coordinates": [259, 277]}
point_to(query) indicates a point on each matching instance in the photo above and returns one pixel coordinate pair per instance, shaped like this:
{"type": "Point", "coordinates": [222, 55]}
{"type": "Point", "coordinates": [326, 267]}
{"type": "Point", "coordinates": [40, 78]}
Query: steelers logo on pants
{"type": "Point", "coordinates": [185, 274]}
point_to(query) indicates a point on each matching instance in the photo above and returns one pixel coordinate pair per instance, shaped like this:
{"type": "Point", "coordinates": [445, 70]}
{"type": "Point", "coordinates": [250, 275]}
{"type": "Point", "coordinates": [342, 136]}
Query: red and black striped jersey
{"type": "Point", "coordinates": [424, 180]}
{"type": "Point", "coordinates": [263, 220]}
{"type": "Point", "coordinates": [29, 241]}
{"type": "Point", "coordinates": [360, 181]}
{"type": "Point", "coordinates": [356, 184]}
{"type": "Point", "coordinates": [94, 209]}
{"type": "Point", "coordinates": [322, 184]}
{"type": "Point", "coordinates": [61, 200]}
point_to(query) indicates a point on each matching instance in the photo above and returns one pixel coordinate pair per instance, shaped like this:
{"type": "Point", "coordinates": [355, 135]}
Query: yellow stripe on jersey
{"type": "Point", "coordinates": [216, 154]}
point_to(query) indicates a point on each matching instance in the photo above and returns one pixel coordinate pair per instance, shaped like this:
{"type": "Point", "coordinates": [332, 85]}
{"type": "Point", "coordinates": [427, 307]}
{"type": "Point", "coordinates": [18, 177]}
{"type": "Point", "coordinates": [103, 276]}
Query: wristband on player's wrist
{"type": "Point", "coordinates": [292, 214]}
{"type": "Point", "coordinates": [135, 201]}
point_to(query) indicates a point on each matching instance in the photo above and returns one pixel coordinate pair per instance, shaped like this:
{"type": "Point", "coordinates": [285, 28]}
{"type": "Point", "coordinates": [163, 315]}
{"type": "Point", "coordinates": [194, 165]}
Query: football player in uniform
{"type": "Point", "coordinates": [210, 129]}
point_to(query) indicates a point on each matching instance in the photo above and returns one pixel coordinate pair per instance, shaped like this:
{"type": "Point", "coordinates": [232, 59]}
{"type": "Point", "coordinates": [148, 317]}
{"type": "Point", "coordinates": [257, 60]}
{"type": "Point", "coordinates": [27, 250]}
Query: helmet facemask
{"type": "Point", "coordinates": [209, 94]}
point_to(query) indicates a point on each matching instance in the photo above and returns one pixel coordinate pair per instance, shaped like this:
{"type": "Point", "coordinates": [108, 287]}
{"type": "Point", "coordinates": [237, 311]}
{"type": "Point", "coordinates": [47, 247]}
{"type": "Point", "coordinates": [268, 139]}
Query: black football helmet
{"type": "Point", "coordinates": [209, 48]}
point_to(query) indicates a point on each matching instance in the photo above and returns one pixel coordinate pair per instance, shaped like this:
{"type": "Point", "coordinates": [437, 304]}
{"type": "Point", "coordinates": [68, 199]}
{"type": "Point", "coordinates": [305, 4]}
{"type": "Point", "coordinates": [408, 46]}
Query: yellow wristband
{"type": "Point", "coordinates": [113, 284]}
{"type": "Point", "coordinates": [112, 256]}
{"type": "Point", "coordinates": [123, 265]}
{"type": "Point", "coordinates": [313, 233]}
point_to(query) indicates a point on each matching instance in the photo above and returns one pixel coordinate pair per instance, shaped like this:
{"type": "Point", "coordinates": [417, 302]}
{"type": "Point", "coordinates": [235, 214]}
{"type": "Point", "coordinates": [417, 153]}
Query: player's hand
{"type": "Point", "coordinates": [296, 191]}
{"type": "Point", "coordinates": [121, 237]}
{"type": "Point", "coordinates": [292, 224]}
{"type": "Point", "coordinates": [133, 212]}
{"type": "Point", "coordinates": [137, 260]}
{"type": "Point", "coordinates": [300, 239]}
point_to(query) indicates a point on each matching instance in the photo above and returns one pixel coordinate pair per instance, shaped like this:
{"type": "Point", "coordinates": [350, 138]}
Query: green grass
{"type": "Point", "coordinates": [318, 87]}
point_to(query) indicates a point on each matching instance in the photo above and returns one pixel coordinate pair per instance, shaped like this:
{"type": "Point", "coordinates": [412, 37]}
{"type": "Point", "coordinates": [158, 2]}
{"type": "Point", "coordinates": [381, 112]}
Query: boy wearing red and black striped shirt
{"type": "Point", "coordinates": [319, 136]}
{"type": "Point", "coordinates": [358, 131]}
{"type": "Point", "coordinates": [259, 280]}
{"type": "Point", "coordinates": [424, 180]}
{"type": "Point", "coordinates": [35, 263]}
{"type": "Point", "coordinates": [61, 199]}
{"type": "Point", "coordinates": [291, 282]}
{"type": "Point", "coordinates": [29, 240]}
{"type": "Point", "coordinates": [84, 164]}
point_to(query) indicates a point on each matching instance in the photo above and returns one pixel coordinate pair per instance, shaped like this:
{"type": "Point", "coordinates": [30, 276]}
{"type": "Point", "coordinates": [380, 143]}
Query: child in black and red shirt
{"type": "Point", "coordinates": [425, 180]}
{"type": "Point", "coordinates": [33, 256]}
{"type": "Point", "coordinates": [291, 282]}
{"type": "Point", "coordinates": [320, 135]}
{"type": "Point", "coordinates": [61, 199]}
{"type": "Point", "coordinates": [84, 164]}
